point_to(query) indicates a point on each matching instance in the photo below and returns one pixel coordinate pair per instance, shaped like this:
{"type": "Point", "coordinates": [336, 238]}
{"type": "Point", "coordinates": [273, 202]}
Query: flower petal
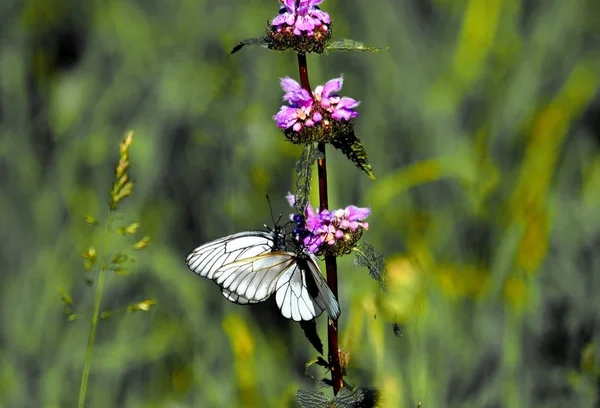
{"type": "Point", "coordinates": [279, 20]}
{"type": "Point", "coordinates": [357, 213]}
{"type": "Point", "coordinates": [286, 117]}
{"type": "Point", "coordinates": [333, 85]}
{"type": "Point", "coordinates": [339, 114]}
{"type": "Point", "coordinates": [291, 199]}
{"type": "Point", "coordinates": [321, 15]}
{"type": "Point", "coordinates": [290, 5]}
{"type": "Point", "coordinates": [290, 85]}
{"type": "Point", "coordinates": [347, 103]}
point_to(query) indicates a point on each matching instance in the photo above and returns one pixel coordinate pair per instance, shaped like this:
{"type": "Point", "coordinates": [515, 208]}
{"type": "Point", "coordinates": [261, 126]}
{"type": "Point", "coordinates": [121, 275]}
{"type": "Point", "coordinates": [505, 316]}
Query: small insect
{"type": "Point", "coordinates": [250, 266]}
{"type": "Point", "coordinates": [397, 329]}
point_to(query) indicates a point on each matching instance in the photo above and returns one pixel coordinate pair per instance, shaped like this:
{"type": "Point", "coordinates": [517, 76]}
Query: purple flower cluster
{"type": "Point", "coordinates": [300, 20]}
{"type": "Point", "coordinates": [304, 109]}
{"type": "Point", "coordinates": [318, 230]}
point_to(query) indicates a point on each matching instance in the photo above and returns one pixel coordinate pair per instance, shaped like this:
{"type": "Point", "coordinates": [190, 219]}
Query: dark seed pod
{"type": "Point", "coordinates": [303, 44]}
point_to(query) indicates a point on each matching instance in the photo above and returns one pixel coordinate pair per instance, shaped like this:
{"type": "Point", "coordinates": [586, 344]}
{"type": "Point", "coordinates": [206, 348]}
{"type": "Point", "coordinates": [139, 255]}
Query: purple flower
{"type": "Point", "coordinates": [302, 110]}
{"type": "Point", "coordinates": [294, 93]}
{"type": "Point", "coordinates": [325, 216]}
{"type": "Point", "coordinates": [343, 110]}
{"type": "Point", "coordinates": [339, 108]}
{"type": "Point", "coordinates": [325, 228]}
{"type": "Point", "coordinates": [300, 20]}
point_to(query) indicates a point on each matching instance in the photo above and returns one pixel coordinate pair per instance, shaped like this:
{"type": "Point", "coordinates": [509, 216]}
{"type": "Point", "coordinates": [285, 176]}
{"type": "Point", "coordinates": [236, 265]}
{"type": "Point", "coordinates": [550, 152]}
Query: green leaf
{"type": "Point", "coordinates": [312, 399]}
{"type": "Point", "coordinates": [321, 361]}
{"type": "Point", "coordinates": [106, 314]}
{"type": "Point", "coordinates": [361, 398]}
{"type": "Point", "coordinates": [346, 44]}
{"type": "Point", "coordinates": [352, 147]}
{"type": "Point", "coordinates": [304, 165]}
{"type": "Point", "coordinates": [264, 42]}
{"type": "Point", "coordinates": [310, 331]}
{"type": "Point", "coordinates": [367, 256]}
{"type": "Point", "coordinates": [318, 361]}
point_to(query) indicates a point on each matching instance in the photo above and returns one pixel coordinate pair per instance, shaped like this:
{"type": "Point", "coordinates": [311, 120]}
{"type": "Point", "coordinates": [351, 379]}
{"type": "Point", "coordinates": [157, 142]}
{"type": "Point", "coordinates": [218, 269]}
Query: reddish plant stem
{"type": "Point", "coordinates": [331, 268]}
{"type": "Point", "coordinates": [330, 261]}
{"type": "Point", "coordinates": [303, 67]}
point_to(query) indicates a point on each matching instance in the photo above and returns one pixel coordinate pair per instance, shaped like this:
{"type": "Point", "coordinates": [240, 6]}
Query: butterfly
{"type": "Point", "coordinates": [250, 266]}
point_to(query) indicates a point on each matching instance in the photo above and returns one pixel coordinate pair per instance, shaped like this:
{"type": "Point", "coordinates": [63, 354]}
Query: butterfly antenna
{"type": "Point", "coordinates": [270, 209]}
{"type": "Point", "coordinates": [272, 217]}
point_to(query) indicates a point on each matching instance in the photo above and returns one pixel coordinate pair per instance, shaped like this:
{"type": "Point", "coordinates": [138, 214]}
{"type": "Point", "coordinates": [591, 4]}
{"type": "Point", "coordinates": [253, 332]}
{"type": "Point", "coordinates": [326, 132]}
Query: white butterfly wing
{"type": "Point", "coordinates": [301, 291]}
{"type": "Point", "coordinates": [293, 298]}
{"type": "Point", "coordinates": [325, 297]}
{"type": "Point", "coordinates": [303, 294]}
{"type": "Point", "coordinates": [232, 297]}
{"type": "Point", "coordinates": [208, 258]}
{"type": "Point", "coordinates": [253, 279]}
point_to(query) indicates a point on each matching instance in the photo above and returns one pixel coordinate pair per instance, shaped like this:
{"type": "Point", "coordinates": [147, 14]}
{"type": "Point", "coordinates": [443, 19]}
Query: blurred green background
{"type": "Point", "coordinates": [482, 122]}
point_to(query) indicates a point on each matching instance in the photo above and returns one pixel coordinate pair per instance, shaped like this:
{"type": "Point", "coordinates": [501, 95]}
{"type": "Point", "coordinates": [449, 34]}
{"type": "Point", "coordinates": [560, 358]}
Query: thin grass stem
{"type": "Point", "coordinates": [95, 314]}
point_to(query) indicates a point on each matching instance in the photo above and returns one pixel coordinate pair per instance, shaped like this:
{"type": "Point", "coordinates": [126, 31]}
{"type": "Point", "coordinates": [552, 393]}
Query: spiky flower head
{"type": "Point", "coordinates": [318, 117]}
{"type": "Point", "coordinates": [301, 26]}
{"type": "Point", "coordinates": [327, 232]}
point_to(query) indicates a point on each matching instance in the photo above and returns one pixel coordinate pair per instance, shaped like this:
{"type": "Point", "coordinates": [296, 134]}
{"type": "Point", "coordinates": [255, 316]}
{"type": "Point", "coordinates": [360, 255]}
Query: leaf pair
{"type": "Point", "coordinates": [339, 44]}
{"type": "Point", "coordinates": [359, 398]}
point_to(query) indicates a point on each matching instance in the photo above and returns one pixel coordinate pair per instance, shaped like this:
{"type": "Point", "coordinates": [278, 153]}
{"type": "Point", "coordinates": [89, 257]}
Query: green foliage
{"type": "Point", "coordinates": [367, 256]}
{"type": "Point", "coordinates": [346, 44]}
{"type": "Point", "coordinates": [485, 206]}
{"type": "Point", "coordinates": [264, 42]}
{"type": "Point", "coordinates": [360, 398]}
{"type": "Point", "coordinates": [354, 150]}
{"type": "Point", "coordinates": [304, 167]}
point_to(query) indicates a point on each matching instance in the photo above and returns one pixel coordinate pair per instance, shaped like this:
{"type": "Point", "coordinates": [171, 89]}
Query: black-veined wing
{"type": "Point", "coordinates": [317, 286]}
{"type": "Point", "coordinates": [207, 258]}
{"type": "Point", "coordinates": [235, 298]}
{"type": "Point", "coordinates": [301, 291]}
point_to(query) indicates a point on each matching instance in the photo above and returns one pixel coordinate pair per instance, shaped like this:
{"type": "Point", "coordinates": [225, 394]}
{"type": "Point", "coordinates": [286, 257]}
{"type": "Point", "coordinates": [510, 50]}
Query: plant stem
{"type": "Point", "coordinates": [95, 315]}
{"type": "Point", "coordinates": [330, 261]}
{"type": "Point", "coordinates": [303, 68]}
{"type": "Point", "coordinates": [331, 268]}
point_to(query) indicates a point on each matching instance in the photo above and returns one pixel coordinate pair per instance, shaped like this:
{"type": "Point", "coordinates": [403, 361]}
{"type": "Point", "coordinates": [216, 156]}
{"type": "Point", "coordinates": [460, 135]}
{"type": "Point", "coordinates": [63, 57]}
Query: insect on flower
{"type": "Point", "coordinates": [250, 266]}
{"type": "Point", "coordinates": [334, 233]}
